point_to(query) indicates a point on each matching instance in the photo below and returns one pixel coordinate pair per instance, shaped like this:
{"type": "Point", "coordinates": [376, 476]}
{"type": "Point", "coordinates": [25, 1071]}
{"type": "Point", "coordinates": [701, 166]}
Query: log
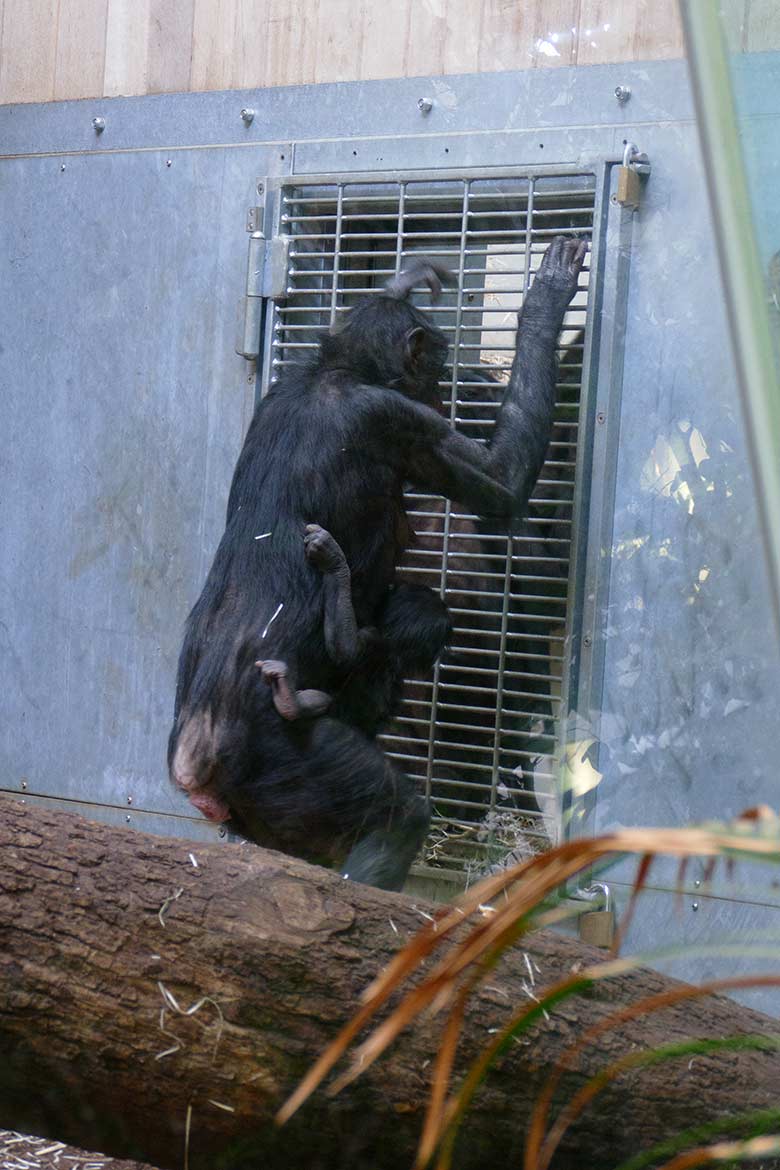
{"type": "Point", "coordinates": [255, 960]}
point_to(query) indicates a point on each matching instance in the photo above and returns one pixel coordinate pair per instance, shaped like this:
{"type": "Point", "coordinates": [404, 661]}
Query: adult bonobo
{"type": "Point", "coordinates": [334, 442]}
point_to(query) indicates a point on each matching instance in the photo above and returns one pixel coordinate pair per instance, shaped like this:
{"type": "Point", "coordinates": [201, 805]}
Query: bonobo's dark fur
{"type": "Point", "coordinates": [334, 442]}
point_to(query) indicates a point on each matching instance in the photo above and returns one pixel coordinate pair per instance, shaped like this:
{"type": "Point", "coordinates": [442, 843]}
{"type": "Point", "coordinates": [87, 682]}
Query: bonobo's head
{"type": "Point", "coordinates": [386, 341]}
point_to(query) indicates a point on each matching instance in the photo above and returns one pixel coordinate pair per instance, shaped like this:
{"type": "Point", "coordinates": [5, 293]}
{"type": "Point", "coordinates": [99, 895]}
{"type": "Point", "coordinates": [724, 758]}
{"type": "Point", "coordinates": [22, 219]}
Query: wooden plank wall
{"type": "Point", "coordinates": [56, 49]}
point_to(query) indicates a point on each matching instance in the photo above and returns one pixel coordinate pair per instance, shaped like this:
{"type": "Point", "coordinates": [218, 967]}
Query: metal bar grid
{"type": "Point", "coordinates": [479, 734]}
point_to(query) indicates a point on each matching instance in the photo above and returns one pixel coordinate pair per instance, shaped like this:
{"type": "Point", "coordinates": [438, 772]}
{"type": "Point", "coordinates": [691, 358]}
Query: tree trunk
{"type": "Point", "coordinates": [102, 928]}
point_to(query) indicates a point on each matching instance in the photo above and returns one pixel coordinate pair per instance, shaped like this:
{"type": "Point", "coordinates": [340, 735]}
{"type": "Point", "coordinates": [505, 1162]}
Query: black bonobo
{"type": "Point", "coordinates": [334, 442]}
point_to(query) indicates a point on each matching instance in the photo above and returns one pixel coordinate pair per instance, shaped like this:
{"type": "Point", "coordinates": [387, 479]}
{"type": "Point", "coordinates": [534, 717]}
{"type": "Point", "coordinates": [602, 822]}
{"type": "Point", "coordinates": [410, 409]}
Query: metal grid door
{"type": "Point", "coordinates": [480, 734]}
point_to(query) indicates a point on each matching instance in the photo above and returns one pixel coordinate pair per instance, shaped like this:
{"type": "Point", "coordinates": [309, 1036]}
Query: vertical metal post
{"type": "Point", "coordinates": [740, 265]}
{"type": "Point", "coordinates": [595, 479]}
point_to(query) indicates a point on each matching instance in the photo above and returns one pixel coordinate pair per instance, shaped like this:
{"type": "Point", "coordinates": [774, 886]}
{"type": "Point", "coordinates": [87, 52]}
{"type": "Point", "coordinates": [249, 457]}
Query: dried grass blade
{"type": "Point", "coordinates": [760, 1147]}
{"type": "Point", "coordinates": [440, 1081]}
{"type": "Point", "coordinates": [595, 1084]}
{"type": "Point", "coordinates": [324, 1064]}
{"type": "Point", "coordinates": [643, 1007]}
{"type": "Point", "coordinates": [642, 871]}
{"type": "Point", "coordinates": [385, 1033]}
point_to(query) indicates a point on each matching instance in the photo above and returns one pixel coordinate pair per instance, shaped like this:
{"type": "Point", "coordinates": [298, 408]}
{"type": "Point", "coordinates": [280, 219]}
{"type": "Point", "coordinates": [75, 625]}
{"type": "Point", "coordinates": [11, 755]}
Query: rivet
{"type": "Point", "coordinates": [98, 125]}
{"type": "Point", "coordinates": [260, 188]}
{"type": "Point", "coordinates": [127, 819]}
{"type": "Point", "coordinates": [622, 93]}
{"type": "Point", "coordinates": [129, 800]}
{"type": "Point", "coordinates": [62, 166]}
{"type": "Point", "coordinates": [168, 162]}
{"type": "Point", "coordinates": [694, 905]}
{"type": "Point", "coordinates": [24, 785]}
{"type": "Point", "coordinates": [601, 417]}
{"type": "Point", "coordinates": [425, 105]}
{"type": "Point", "coordinates": [587, 640]}
{"type": "Point", "coordinates": [697, 883]}
{"type": "Point", "coordinates": [248, 114]}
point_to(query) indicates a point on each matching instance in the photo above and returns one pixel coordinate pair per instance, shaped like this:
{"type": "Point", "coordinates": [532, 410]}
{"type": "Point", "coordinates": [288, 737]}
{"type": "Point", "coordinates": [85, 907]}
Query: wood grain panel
{"type": "Point", "coordinates": [213, 44]}
{"type": "Point", "coordinates": [525, 36]}
{"type": "Point", "coordinates": [657, 30]}
{"type": "Point", "coordinates": [170, 45]}
{"type": "Point", "coordinates": [763, 25]}
{"type": "Point", "coordinates": [604, 34]}
{"type": "Point", "coordinates": [339, 40]}
{"type": "Point", "coordinates": [291, 48]}
{"type": "Point", "coordinates": [151, 46]}
{"type": "Point", "coordinates": [250, 54]}
{"type": "Point", "coordinates": [463, 35]}
{"type": "Point", "coordinates": [386, 31]}
{"type": "Point", "coordinates": [127, 48]}
{"type": "Point", "coordinates": [734, 18]}
{"type": "Point", "coordinates": [28, 52]}
{"type": "Point", "coordinates": [79, 69]}
{"type": "Point", "coordinates": [425, 42]}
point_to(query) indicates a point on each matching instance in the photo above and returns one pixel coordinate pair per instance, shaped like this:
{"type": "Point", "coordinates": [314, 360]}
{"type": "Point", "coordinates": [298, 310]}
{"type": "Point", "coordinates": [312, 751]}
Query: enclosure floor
{"type": "Point", "coordinates": [19, 1151]}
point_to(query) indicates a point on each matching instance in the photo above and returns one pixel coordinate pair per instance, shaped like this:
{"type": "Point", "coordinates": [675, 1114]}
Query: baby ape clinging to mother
{"type": "Point", "coordinates": [412, 628]}
{"type": "Point", "coordinates": [336, 440]}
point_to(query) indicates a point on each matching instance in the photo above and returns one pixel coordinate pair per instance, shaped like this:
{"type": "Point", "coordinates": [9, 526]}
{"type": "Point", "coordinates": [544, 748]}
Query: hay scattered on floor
{"type": "Point", "coordinates": [19, 1151]}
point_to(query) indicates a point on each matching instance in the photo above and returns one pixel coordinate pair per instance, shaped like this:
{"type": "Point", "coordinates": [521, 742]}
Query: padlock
{"type": "Point", "coordinates": [597, 927]}
{"type": "Point", "coordinates": [628, 184]}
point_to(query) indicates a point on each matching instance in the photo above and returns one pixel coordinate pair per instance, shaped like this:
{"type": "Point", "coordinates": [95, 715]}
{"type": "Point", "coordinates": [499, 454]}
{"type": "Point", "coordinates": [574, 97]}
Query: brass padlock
{"type": "Point", "coordinates": [629, 187]}
{"type": "Point", "coordinates": [597, 927]}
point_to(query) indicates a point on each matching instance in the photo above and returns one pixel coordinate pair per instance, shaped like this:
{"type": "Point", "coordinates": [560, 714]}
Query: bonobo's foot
{"type": "Point", "coordinates": [556, 281]}
{"type": "Point", "coordinates": [322, 549]}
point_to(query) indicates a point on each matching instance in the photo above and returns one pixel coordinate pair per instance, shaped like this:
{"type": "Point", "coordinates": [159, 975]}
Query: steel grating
{"type": "Point", "coordinates": [480, 735]}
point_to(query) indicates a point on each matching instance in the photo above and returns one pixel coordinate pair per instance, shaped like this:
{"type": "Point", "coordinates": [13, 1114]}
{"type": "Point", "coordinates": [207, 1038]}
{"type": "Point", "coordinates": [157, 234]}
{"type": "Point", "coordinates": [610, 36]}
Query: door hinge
{"type": "Point", "coordinates": [266, 279]}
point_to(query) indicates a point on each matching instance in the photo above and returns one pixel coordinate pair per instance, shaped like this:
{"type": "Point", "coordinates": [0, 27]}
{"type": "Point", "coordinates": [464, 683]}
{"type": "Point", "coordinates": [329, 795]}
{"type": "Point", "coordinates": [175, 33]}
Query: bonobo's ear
{"type": "Point", "coordinates": [415, 345]}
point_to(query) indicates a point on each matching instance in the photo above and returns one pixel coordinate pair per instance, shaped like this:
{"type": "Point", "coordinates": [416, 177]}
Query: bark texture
{"type": "Point", "coordinates": [275, 953]}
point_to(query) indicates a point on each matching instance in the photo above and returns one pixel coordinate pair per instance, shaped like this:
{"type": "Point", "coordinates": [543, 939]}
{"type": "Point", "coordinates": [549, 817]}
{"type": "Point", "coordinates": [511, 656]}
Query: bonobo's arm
{"type": "Point", "coordinates": [497, 478]}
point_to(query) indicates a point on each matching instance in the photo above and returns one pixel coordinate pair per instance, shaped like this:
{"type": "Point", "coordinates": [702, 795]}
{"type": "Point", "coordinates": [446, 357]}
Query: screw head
{"type": "Point", "coordinates": [586, 641]}
{"type": "Point", "coordinates": [129, 800]}
{"type": "Point", "coordinates": [127, 819]}
{"type": "Point", "coordinates": [24, 785]}
{"type": "Point", "coordinates": [622, 94]}
{"type": "Point", "coordinates": [425, 105]}
{"type": "Point", "coordinates": [62, 166]}
{"type": "Point", "coordinates": [694, 906]}
{"type": "Point", "coordinates": [98, 125]}
{"type": "Point", "coordinates": [260, 188]}
{"type": "Point", "coordinates": [601, 417]}
{"type": "Point", "coordinates": [248, 114]}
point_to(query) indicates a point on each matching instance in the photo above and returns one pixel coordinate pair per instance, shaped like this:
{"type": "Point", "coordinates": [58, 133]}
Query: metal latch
{"type": "Point", "coordinates": [266, 279]}
{"type": "Point", "coordinates": [597, 927]}
{"type": "Point", "coordinates": [629, 186]}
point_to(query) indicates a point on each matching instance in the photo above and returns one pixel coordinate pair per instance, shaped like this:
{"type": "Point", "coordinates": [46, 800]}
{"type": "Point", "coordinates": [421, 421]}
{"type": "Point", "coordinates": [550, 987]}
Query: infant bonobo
{"type": "Point", "coordinates": [412, 628]}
